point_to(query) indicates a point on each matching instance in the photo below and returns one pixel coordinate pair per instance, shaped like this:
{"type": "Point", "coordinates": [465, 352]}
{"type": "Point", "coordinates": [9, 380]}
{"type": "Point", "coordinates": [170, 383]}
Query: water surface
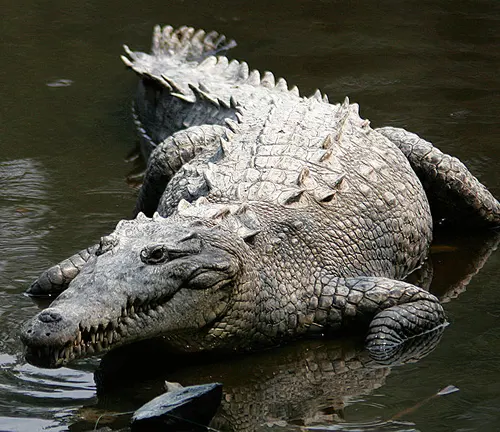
{"type": "Point", "coordinates": [429, 66]}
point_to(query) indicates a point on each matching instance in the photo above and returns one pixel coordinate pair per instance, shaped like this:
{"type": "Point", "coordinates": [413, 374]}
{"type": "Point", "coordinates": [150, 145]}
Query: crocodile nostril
{"type": "Point", "coordinates": [50, 316]}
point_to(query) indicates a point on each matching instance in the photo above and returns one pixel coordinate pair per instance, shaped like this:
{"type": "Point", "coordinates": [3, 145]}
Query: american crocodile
{"type": "Point", "coordinates": [264, 216]}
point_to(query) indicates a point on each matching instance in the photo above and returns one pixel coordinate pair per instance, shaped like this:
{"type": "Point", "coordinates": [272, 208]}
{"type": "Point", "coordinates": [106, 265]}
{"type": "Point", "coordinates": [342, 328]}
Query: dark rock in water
{"type": "Point", "coordinates": [182, 409]}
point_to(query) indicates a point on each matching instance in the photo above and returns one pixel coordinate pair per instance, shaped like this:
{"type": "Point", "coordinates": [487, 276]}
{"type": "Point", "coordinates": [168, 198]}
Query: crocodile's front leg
{"type": "Point", "coordinates": [454, 193]}
{"type": "Point", "coordinates": [396, 311]}
{"type": "Point", "coordinates": [57, 278]}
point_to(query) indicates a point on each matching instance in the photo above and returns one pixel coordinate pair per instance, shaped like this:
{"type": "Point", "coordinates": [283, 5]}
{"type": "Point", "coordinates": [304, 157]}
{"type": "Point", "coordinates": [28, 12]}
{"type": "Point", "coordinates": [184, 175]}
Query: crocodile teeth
{"type": "Point", "coordinates": [157, 217]}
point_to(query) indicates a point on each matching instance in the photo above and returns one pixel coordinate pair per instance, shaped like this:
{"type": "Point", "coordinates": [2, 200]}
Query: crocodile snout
{"type": "Point", "coordinates": [49, 328]}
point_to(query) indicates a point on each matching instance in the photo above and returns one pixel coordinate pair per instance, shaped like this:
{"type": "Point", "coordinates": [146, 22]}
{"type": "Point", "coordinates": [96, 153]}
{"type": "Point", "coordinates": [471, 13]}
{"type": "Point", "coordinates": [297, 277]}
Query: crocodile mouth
{"type": "Point", "coordinates": [95, 339]}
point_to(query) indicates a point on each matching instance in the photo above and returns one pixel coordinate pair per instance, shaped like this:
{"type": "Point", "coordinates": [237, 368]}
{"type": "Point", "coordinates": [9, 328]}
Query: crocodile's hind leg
{"type": "Point", "coordinates": [169, 157]}
{"type": "Point", "coordinates": [57, 278]}
{"type": "Point", "coordinates": [455, 195]}
{"type": "Point", "coordinates": [395, 311]}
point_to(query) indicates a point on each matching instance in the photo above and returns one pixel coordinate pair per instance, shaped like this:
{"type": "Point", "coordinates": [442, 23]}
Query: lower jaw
{"type": "Point", "coordinates": [182, 342]}
{"type": "Point", "coordinates": [87, 344]}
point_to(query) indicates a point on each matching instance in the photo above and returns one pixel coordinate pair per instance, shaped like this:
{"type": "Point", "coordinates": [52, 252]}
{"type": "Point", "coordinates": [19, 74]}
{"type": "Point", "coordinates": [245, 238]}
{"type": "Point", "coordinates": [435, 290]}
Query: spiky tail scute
{"type": "Point", "coordinates": [187, 42]}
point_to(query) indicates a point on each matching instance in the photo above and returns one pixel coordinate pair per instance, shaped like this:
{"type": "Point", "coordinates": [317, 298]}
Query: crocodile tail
{"type": "Point", "coordinates": [456, 197]}
{"type": "Point", "coordinates": [189, 43]}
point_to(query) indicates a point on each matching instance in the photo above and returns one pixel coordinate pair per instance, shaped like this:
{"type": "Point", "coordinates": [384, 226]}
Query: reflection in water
{"type": "Point", "coordinates": [306, 384]}
{"type": "Point", "coordinates": [33, 398]}
{"type": "Point", "coordinates": [24, 211]}
{"type": "Point", "coordinates": [431, 67]}
{"type": "Point", "coordinates": [470, 253]}
{"type": "Point", "coordinates": [60, 83]}
{"type": "Point", "coordinates": [24, 214]}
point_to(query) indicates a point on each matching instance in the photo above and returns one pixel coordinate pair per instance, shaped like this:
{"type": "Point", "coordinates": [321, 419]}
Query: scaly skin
{"type": "Point", "coordinates": [57, 278]}
{"type": "Point", "coordinates": [278, 217]}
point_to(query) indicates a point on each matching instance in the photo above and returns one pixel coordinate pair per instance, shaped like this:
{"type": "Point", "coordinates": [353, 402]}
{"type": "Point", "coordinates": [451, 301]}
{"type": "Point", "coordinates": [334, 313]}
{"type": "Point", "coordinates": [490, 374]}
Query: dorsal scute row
{"type": "Point", "coordinates": [199, 49]}
{"type": "Point", "coordinates": [187, 42]}
{"type": "Point", "coordinates": [238, 218]}
{"type": "Point", "coordinates": [290, 160]}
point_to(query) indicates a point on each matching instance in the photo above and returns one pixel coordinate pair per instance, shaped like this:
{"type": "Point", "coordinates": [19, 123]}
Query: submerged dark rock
{"type": "Point", "coordinates": [181, 409]}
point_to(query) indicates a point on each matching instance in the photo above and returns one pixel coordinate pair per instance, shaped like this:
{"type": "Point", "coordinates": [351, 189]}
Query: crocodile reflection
{"type": "Point", "coordinates": [305, 384]}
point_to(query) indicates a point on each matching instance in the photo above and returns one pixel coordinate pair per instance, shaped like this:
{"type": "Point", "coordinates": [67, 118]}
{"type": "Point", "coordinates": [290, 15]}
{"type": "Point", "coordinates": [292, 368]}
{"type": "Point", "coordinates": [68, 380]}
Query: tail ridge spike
{"type": "Point", "coordinates": [268, 80]}
{"type": "Point", "coordinates": [194, 45]}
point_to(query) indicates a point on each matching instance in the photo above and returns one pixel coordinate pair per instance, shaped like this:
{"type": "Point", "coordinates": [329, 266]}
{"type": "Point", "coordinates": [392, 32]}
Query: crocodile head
{"type": "Point", "coordinates": [150, 277]}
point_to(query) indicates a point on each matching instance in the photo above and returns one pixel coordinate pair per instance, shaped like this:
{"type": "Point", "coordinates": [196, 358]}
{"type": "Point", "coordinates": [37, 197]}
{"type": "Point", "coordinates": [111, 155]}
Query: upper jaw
{"type": "Point", "coordinates": [57, 335]}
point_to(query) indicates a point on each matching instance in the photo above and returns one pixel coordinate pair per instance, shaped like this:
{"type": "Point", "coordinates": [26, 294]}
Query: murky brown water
{"type": "Point", "coordinates": [429, 66]}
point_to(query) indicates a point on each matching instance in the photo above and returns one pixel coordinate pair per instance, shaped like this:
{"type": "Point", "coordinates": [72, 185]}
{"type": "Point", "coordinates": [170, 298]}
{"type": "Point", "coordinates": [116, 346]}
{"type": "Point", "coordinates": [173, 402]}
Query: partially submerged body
{"type": "Point", "coordinates": [277, 216]}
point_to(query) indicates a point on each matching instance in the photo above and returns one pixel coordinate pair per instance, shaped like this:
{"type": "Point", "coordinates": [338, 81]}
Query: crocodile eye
{"type": "Point", "coordinates": [154, 254]}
